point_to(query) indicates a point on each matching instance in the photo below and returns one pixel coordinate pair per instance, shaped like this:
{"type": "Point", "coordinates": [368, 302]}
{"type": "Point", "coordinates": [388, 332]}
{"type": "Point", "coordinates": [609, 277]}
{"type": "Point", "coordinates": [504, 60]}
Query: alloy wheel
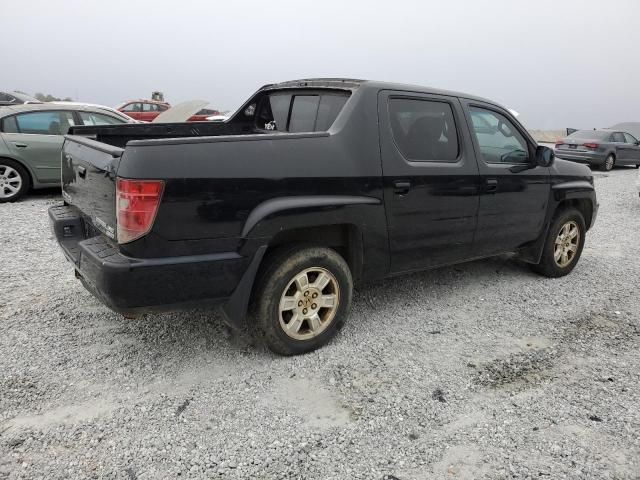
{"type": "Point", "coordinates": [10, 181]}
{"type": "Point", "coordinates": [309, 303]}
{"type": "Point", "coordinates": [566, 244]}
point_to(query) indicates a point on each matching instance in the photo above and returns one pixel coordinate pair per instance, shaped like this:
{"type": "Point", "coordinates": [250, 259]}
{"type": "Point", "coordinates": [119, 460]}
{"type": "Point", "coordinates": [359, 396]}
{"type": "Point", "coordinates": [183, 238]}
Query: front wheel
{"type": "Point", "coordinates": [302, 299]}
{"type": "Point", "coordinates": [563, 246]}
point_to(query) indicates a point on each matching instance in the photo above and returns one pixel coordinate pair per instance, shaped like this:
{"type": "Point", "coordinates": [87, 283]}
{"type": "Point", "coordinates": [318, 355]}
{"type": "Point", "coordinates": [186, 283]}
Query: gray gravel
{"type": "Point", "coordinates": [481, 370]}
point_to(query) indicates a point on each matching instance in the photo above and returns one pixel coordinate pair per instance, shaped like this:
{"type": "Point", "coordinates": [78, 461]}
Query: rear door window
{"type": "Point", "coordinates": [617, 137]}
{"type": "Point", "coordinates": [424, 130]}
{"type": "Point", "coordinates": [45, 123]}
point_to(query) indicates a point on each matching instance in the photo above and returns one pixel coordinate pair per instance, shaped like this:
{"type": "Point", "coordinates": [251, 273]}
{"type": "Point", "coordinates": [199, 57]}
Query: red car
{"type": "Point", "coordinates": [145, 110]}
{"type": "Point", "coordinates": [148, 110]}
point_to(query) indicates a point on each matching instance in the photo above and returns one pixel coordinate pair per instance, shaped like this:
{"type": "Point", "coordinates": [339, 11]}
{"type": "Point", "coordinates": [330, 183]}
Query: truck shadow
{"type": "Point", "coordinates": [203, 333]}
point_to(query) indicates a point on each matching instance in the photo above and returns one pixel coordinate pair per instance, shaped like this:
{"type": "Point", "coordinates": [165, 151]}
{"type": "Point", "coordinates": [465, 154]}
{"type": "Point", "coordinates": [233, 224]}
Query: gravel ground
{"type": "Point", "coordinates": [481, 370]}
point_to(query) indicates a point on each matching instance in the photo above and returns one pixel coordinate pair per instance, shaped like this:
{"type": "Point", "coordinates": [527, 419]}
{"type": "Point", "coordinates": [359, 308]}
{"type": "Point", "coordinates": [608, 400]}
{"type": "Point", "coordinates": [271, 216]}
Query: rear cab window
{"type": "Point", "coordinates": [299, 110]}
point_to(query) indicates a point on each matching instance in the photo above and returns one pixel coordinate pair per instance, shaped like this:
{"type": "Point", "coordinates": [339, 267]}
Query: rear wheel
{"type": "Point", "coordinates": [302, 299]}
{"type": "Point", "coordinates": [609, 162]}
{"type": "Point", "coordinates": [563, 246]}
{"type": "Point", "coordinates": [14, 180]}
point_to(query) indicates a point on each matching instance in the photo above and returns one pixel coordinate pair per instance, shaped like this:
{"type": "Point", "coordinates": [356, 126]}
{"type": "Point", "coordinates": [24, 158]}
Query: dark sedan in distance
{"type": "Point", "coordinates": [602, 148]}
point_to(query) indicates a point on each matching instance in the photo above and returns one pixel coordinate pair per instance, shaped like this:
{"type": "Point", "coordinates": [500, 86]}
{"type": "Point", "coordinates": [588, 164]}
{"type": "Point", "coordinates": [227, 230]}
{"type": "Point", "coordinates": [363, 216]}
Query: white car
{"type": "Point", "coordinates": [112, 111]}
{"type": "Point", "coordinates": [217, 118]}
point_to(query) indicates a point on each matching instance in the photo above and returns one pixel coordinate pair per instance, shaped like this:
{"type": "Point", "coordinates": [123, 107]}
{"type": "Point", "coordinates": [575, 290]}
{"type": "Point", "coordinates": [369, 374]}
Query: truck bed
{"type": "Point", "coordinates": [119, 135]}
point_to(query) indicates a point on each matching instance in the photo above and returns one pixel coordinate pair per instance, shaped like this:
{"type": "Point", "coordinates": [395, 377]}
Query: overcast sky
{"type": "Point", "coordinates": [559, 63]}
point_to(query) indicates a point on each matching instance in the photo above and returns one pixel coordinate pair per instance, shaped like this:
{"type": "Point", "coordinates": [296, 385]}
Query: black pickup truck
{"type": "Point", "coordinates": [310, 187]}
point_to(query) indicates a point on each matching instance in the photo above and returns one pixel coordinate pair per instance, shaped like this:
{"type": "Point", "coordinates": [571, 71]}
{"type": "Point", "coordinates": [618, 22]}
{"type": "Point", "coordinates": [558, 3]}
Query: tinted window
{"type": "Point", "coordinates": [629, 138]}
{"type": "Point", "coordinates": [90, 118]}
{"type": "Point", "coordinates": [45, 123]}
{"type": "Point", "coordinates": [279, 111]}
{"type": "Point", "coordinates": [424, 130]}
{"type": "Point", "coordinates": [9, 125]}
{"type": "Point", "coordinates": [285, 111]}
{"type": "Point", "coordinates": [328, 110]}
{"type": "Point", "coordinates": [617, 137]}
{"type": "Point", "coordinates": [303, 113]}
{"type": "Point", "coordinates": [5, 97]}
{"type": "Point", "coordinates": [498, 138]}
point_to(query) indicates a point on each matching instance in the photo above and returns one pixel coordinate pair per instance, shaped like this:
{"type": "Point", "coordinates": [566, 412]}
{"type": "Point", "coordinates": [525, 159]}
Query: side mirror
{"type": "Point", "coordinates": [544, 156]}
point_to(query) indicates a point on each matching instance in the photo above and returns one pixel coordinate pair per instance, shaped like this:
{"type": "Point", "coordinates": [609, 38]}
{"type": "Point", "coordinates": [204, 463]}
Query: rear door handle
{"type": "Point", "coordinates": [492, 185]}
{"type": "Point", "coordinates": [401, 187]}
{"type": "Point", "coordinates": [20, 145]}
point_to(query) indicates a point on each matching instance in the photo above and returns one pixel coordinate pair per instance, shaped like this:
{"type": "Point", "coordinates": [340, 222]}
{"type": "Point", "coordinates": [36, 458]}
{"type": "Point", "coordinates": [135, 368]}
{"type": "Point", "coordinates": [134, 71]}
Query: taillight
{"type": "Point", "coordinates": [137, 203]}
{"type": "Point", "coordinates": [591, 145]}
{"type": "Point", "coordinates": [559, 142]}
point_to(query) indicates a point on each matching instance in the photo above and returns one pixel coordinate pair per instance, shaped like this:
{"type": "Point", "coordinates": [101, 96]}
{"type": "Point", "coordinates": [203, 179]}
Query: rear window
{"type": "Point", "coordinates": [300, 112]}
{"type": "Point", "coordinates": [590, 134]}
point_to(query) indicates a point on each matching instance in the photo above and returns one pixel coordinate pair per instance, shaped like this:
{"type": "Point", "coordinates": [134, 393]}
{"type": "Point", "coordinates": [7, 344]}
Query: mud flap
{"type": "Point", "coordinates": [234, 310]}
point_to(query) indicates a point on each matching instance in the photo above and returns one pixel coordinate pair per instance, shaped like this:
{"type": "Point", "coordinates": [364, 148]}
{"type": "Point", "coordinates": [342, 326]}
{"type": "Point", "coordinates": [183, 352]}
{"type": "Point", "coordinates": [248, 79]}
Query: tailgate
{"type": "Point", "coordinates": [88, 180]}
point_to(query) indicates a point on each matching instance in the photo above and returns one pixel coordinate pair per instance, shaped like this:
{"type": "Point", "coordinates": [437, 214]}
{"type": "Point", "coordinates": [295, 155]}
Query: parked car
{"type": "Point", "coordinates": [143, 110]}
{"type": "Point", "coordinates": [203, 115]}
{"type": "Point", "coordinates": [312, 186]}
{"type": "Point", "coordinates": [217, 118]}
{"type": "Point", "coordinates": [602, 148]}
{"type": "Point", "coordinates": [101, 108]}
{"type": "Point", "coordinates": [15, 98]}
{"type": "Point", "coordinates": [31, 138]}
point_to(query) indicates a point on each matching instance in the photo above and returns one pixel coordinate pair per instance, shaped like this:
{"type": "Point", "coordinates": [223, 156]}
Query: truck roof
{"type": "Point", "coordinates": [353, 84]}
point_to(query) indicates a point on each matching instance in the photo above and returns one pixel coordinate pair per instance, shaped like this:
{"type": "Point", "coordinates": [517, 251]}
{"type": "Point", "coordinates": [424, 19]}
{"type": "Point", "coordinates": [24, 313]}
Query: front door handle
{"type": "Point", "coordinates": [401, 187]}
{"type": "Point", "coordinates": [492, 185]}
{"type": "Point", "coordinates": [20, 145]}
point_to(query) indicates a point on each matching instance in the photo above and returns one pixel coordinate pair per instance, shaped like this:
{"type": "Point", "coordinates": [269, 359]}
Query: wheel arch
{"type": "Point", "coordinates": [324, 220]}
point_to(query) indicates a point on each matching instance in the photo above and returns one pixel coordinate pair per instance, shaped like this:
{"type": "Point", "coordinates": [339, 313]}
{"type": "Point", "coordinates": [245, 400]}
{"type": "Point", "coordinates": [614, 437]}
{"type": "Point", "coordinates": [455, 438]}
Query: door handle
{"type": "Point", "coordinates": [492, 185]}
{"type": "Point", "coordinates": [20, 145]}
{"type": "Point", "coordinates": [82, 172]}
{"type": "Point", "coordinates": [401, 187]}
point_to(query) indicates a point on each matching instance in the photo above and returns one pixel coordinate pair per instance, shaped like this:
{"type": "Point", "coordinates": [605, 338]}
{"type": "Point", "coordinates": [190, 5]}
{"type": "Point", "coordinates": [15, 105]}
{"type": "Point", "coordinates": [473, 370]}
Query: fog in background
{"type": "Point", "coordinates": [558, 63]}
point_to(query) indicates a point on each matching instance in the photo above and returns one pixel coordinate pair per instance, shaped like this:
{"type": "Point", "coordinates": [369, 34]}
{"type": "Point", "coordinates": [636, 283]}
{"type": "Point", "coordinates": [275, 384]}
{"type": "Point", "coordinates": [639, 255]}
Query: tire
{"type": "Point", "coordinates": [307, 325]}
{"type": "Point", "coordinates": [549, 265]}
{"type": "Point", "coordinates": [637, 165]}
{"type": "Point", "coordinates": [14, 180]}
{"type": "Point", "coordinates": [609, 162]}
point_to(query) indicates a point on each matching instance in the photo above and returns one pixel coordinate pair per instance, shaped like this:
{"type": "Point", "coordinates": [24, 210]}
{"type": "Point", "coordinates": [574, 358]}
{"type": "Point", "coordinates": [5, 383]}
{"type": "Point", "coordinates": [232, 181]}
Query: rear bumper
{"type": "Point", "coordinates": [136, 285]}
{"type": "Point", "coordinates": [590, 158]}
